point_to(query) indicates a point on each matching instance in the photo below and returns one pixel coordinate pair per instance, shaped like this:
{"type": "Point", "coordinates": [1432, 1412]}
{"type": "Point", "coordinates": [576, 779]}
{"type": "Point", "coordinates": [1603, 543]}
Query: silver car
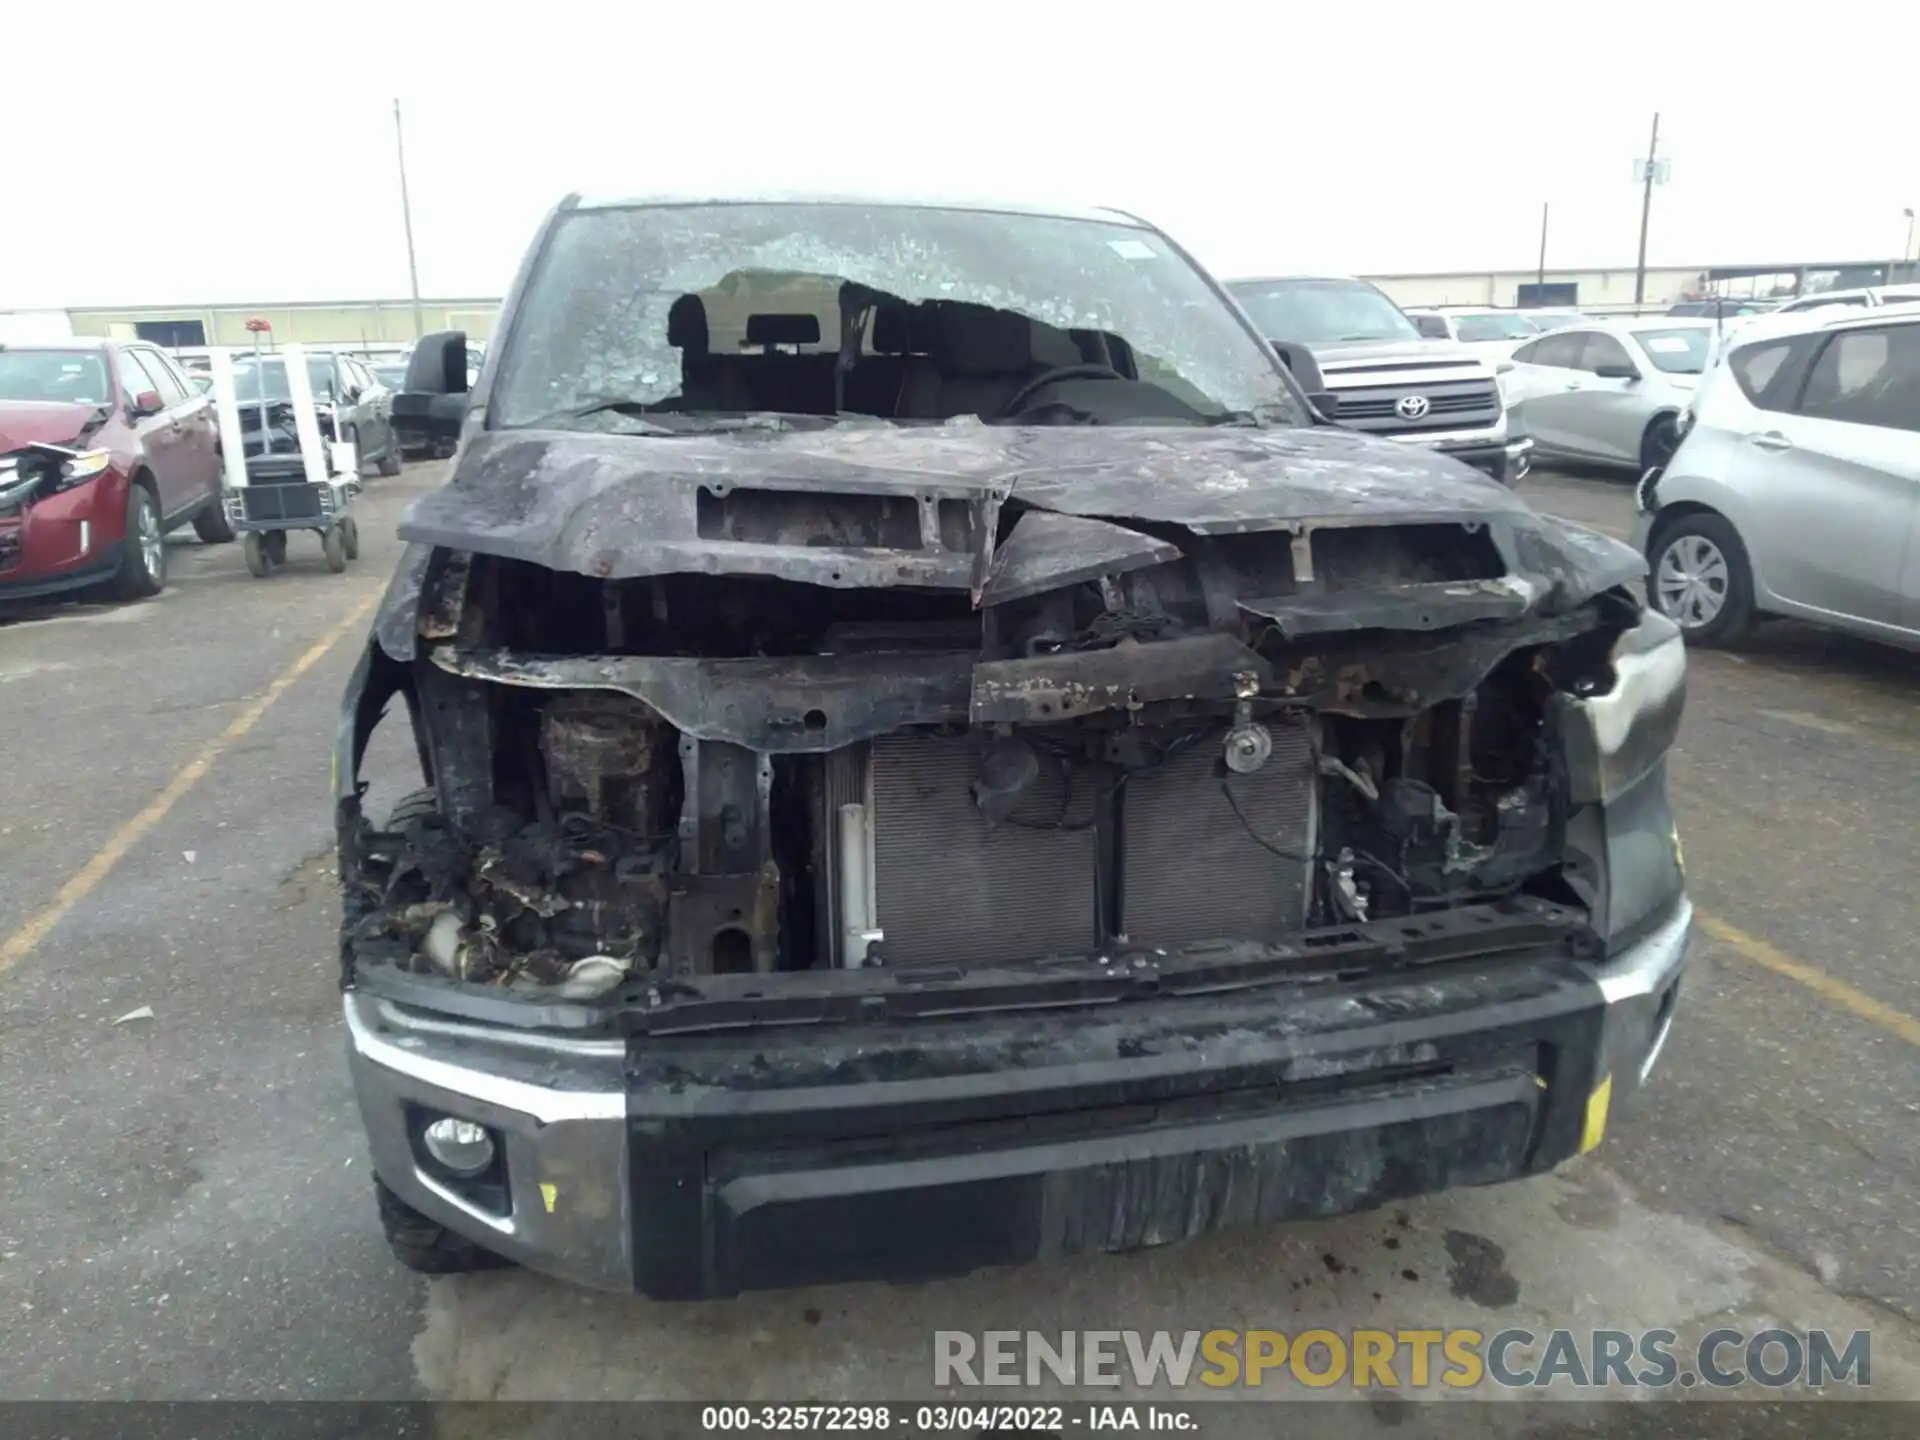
{"type": "Point", "coordinates": [1609, 391]}
{"type": "Point", "coordinates": [1796, 490]}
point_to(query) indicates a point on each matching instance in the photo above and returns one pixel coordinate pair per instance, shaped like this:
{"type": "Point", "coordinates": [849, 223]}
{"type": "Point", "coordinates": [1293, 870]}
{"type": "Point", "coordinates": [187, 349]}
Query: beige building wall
{"type": "Point", "coordinates": [1502, 287]}
{"type": "Point", "coordinates": [369, 322]}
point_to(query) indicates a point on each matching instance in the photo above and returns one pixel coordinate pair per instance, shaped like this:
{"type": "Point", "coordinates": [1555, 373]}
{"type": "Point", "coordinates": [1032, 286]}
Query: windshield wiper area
{"type": "Point", "coordinates": [1259, 417]}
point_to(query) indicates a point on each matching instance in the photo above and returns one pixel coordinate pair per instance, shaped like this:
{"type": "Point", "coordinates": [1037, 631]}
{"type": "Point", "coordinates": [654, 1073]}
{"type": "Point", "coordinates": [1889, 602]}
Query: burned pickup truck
{"type": "Point", "coordinates": [938, 755]}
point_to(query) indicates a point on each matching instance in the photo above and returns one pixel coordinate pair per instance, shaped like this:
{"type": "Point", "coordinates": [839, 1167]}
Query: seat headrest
{"type": "Point", "coordinates": [781, 329]}
{"type": "Point", "coordinates": [687, 325]}
{"type": "Point", "coordinates": [898, 329]}
{"type": "Point", "coordinates": [973, 339]}
{"type": "Point", "coordinates": [1050, 348]}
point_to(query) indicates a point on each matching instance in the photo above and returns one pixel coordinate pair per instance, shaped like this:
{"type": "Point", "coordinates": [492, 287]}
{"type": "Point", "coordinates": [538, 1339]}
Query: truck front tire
{"type": "Point", "coordinates": [426, 1246]}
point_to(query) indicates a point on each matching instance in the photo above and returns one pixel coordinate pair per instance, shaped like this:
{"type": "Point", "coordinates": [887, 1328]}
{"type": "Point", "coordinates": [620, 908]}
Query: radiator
{"type": "Point", "coordinates": [1191, 869]}
{"type": "Point", "coordinates": [953, 888]}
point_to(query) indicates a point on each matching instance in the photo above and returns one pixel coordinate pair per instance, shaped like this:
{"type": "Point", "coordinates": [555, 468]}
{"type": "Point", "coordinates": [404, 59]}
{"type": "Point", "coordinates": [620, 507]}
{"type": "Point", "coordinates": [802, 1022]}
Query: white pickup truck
{"type": "Point", "coordinates": [1353, 347]}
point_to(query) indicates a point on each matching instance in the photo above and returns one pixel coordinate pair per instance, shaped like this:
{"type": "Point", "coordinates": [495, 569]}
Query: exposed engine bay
{"type": "Point", "coordinates": [937, 725]}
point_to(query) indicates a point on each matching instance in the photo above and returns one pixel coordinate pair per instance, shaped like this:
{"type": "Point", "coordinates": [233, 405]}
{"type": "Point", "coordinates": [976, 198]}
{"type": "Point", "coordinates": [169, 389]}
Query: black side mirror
{"type": "Point", "coordinates": [438, 365]}
{"type": "Point", "coordinates": [434, 402]}
{"type": "Point", "coordinates": [1616, 372]}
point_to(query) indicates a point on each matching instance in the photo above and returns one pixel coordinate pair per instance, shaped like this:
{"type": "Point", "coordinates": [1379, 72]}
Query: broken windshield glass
{"type": "Point", "coordinates": [696, 307]}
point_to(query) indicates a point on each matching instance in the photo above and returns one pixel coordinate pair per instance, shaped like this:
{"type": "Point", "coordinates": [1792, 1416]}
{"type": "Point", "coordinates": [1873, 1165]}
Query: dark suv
{"type": "Point", "coordinates": [104, 447]}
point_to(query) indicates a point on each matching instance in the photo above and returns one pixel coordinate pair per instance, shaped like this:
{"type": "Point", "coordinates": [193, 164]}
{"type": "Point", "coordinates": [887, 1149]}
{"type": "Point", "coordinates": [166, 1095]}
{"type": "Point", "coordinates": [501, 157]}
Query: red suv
{"type": "Point", "coordinates": [104, 447]}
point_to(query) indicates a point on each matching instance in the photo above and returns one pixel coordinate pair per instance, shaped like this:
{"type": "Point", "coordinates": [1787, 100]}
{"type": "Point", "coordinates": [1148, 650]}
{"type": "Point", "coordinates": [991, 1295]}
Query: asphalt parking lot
{"type": "Point", "coordinates": [185, 1205]}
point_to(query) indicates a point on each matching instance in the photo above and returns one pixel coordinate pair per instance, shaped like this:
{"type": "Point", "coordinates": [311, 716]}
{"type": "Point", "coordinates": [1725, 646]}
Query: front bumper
{"type": "Point", "coordinates": [710, 1164]}
{"type": "Point", "coordinates": [65, 541]}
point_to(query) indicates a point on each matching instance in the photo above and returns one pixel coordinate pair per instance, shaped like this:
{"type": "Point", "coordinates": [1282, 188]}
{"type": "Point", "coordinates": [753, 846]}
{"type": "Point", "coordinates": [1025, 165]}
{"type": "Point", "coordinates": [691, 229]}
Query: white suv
{"type": "Point", "coordinates": [1796, 487]}
{"type": "Point", "coordinates": [1489, 331]}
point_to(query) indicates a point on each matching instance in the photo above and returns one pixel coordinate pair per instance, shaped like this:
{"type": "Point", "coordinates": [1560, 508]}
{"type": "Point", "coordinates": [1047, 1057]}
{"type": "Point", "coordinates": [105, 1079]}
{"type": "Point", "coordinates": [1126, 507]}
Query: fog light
{"type": "Point", "coordinates": [462, 1146]}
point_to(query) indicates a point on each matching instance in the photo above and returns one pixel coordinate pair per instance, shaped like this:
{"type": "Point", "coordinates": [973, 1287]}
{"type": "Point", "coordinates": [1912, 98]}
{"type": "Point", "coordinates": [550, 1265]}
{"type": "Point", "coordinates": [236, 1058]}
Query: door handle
{"type": "Point", "coordinates": [1770, 440]}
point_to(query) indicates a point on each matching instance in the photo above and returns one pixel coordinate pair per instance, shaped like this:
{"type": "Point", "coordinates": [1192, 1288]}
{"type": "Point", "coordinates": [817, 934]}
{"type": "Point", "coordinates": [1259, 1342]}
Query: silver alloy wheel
{"type": "Point", "coordinates": [1692, 581]}
{"type": "Point", "coordinates": [153, 552]}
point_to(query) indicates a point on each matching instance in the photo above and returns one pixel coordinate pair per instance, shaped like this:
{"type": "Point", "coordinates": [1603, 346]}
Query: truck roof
{"type": "Point", "coordinates": [609, 201]}
{"type": "Point", "coordinates": [1301, 275]}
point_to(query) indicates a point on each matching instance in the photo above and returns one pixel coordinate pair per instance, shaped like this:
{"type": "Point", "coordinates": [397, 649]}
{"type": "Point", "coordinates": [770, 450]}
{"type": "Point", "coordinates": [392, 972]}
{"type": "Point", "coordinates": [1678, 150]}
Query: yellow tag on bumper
{"type": "Point", "coordinates": [1597, 1104]}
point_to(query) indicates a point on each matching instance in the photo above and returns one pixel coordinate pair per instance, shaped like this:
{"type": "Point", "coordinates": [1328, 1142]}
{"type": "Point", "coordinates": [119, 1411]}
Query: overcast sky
{"type": "Point", "coordinates": [222, 153]}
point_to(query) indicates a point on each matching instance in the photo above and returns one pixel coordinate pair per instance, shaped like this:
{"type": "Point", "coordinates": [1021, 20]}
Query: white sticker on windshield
{"type": "Point", "coordinates": [1666, 344]}
{"type": "Point", "coordinates": [1132, 249]}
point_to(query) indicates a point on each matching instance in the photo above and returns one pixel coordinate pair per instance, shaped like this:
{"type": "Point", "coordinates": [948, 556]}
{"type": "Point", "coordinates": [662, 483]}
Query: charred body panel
{"type": "Point", "coordinates": [616, 506]}
{"type": "Point", "coordinates": [835, 685]}
{"type": "Point", "coordinates": [1343, 917]}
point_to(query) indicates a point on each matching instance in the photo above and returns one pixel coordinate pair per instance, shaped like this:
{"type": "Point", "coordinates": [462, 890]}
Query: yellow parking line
{"type": "Point", "coordinates": [81, 883]}
{"type": "Point", "coordinates": [1768, 957]}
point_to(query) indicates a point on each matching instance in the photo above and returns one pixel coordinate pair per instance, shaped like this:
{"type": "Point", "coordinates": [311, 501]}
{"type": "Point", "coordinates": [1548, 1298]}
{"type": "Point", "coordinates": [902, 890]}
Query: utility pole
{"type": "Point", "coordinates": [1646, 210]}
{"type": "Point", "coordinates": [1541, 278]}
{"type": "Point", "coordinates": [406, 219]}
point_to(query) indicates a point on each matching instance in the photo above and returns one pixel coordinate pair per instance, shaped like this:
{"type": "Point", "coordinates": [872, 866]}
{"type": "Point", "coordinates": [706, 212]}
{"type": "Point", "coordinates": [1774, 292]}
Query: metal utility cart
{"type": "Point", "coordinates": [291, 476]}
{"type": "Point", "coordinates": [278, 498]}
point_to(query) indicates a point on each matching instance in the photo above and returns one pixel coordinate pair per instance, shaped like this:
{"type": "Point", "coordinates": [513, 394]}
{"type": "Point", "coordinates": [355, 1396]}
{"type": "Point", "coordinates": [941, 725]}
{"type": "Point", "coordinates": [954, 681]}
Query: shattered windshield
{"type": "Point", "coordinates": [635, 315]}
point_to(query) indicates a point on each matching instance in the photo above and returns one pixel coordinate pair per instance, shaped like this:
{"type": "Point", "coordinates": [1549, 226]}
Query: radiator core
{"type": "Point", "coordinates": [951, 887]}
{"type": "Point", "coordinates": [1193, 872]}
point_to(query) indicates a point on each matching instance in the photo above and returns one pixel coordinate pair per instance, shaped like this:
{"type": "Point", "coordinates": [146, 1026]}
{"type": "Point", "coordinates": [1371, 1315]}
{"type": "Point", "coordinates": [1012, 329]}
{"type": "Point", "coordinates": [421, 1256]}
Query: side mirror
{"type": "Point", "coordinates": [434, 402]}
{"type": "Point", "coordinates": [438, 365]}
{"type": "Point", "coordinates": [147, 402]}
{"type": "Point", "coordinates": [1326, 402]}
{"type": "Point", "coordinates": [1616, 372]}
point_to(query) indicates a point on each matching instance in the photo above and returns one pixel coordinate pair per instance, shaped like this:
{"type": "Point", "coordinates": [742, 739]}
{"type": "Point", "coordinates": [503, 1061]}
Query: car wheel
{"type": "Point", "coordinates": [1701, 579]}
{"type": "Point", "coordinates": [210, 523]}
{"type": "Point", "coordinates": [1659, 443]}
{"type": "Point", "coordinates": [254, 547]}
{"type": "Point", "coordinates": [390, 457]}
{"type": "Point", "coordinates": [350, 536]}
{"type": "Point", "coordinates": [334, 546]}
{"type": "Point", "coordinates": [426, 1246]}
{"type": "Point", "coordinates": [143, 552]}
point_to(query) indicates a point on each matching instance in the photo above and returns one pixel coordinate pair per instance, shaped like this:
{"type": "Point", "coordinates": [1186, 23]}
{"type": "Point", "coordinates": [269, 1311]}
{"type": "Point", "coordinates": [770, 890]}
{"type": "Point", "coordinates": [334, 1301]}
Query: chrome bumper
{"type": "Point", "coordinates": [1641, 990]}
{"type": "Point", "coordinates": [561, 1106]}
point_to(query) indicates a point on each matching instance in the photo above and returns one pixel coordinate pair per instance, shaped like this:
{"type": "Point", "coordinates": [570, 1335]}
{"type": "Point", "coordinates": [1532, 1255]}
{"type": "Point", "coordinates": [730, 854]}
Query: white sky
{"type": "Point", "coordinates": [1266, 137]}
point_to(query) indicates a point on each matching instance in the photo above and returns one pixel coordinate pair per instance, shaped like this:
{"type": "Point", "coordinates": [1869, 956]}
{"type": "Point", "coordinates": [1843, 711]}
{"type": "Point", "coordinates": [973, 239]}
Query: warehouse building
{"type": "Point", "coordinates": [352, 322]}
{"type": "Point", "coordinates": [390, 323]}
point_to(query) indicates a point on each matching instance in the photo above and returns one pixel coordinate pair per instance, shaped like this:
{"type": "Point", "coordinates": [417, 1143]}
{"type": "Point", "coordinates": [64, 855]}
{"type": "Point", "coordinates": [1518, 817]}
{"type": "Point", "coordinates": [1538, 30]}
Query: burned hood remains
{"type": "Point", "coordinates": [808, 506]}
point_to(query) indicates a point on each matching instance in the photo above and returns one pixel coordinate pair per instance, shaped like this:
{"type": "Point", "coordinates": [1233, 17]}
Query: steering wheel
{"type": "Point", "coordinates": [1052, 377]}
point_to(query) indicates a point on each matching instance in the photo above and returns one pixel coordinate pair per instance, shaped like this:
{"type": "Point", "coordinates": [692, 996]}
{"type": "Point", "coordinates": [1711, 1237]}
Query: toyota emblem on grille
{"type": "Point", "coordinates": [1412, 407]}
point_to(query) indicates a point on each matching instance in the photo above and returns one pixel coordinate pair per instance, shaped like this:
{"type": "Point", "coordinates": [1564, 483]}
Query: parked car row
{"type": "Point", "coordinates": [106, 445]}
